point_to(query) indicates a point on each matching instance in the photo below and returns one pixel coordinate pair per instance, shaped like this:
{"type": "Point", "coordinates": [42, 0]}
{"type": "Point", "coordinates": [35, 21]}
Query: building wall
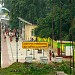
{"type": "Point", "coordinates": [28, 30]}
{"type": "Point", "coordinates": [23, 32]}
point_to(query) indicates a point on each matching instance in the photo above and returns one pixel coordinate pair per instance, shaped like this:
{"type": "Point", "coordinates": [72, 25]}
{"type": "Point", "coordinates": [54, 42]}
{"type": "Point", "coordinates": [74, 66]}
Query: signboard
{"type": "Point", "coordinates": [34, 45]}
{"type": "Point", "coordinates": [69, 51]}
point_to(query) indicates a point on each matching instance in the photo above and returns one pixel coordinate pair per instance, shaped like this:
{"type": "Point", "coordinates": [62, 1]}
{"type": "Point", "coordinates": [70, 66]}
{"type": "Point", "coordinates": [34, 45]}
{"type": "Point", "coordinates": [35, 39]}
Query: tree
{"type": "Point", "coordinates": [40, 12]}
{"type": "Point", "coordinates": [65, 21]}
{"type": "Point", "coordinates": [7, 4]}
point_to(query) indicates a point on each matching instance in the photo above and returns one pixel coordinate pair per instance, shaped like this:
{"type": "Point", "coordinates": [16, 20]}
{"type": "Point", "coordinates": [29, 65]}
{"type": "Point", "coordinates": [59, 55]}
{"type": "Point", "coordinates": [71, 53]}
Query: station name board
{"type": "Point", "coordinates": [34, 45]}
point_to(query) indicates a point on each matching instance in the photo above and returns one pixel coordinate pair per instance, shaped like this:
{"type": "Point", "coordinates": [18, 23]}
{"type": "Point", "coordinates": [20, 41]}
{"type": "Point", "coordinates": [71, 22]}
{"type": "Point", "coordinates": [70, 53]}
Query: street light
{"type": "Point", "coordinates": [17, 38]}
{"type": "Point", "coordinates": [53, 8]}
{"type": "Point", "coordinates": [61, 26]}
{"type": "Point", "coordinates": [71, 33]}
{"type": "Point", "coordinates": [20, 29]}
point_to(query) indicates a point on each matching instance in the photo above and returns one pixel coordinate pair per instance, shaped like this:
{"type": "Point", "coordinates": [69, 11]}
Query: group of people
{"type": "Point", "coordinates": [51, 55]}
{"type": "Point", "coordinates": [9, 33]}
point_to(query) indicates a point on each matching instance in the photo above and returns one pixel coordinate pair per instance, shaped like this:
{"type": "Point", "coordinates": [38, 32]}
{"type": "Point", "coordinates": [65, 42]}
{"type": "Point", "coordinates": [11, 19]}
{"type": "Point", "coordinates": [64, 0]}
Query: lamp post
{"type": "Point", "coordinates": [34, 54]}
{"type": "Point", "coordinates": [53, 8]}
{"type": "Point", "coordinates": [71, 32]}
{"type": "Point", "coordinates": [61, 27]}
{"type": "Point", "coordinates": [70, 50]}
{"type": "Point", "coordinates": [17, 38]}
{"type": "Point", "coordinates": [72, 40]}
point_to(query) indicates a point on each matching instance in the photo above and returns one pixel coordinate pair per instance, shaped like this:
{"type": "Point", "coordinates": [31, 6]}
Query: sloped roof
{"type": "Point", "coordinates": [24, 21]}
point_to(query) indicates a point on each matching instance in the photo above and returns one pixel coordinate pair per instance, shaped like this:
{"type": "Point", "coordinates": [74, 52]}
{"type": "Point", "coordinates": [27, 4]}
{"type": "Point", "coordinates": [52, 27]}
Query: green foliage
{"type": "Point", "coordinates": [35, 69]}
{"type": "Point", "coordinates": [7, 4]}
{"type": "Point", "coordinates": [64, 12]}
{"type": "Point", "coordinates": [44, 13]}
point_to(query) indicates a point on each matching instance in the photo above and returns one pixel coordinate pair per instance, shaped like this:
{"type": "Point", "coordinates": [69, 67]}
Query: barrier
{"type": "Point", "coordinates": [28, 59]}
{"type": "Point", "coordinates": [58, 59]}
{"type": "Point", "coordinates": [44, 60]}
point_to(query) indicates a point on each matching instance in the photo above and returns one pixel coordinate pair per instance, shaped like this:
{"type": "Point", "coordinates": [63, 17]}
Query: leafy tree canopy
{"type": "Point", "coordinates": [44, 13]}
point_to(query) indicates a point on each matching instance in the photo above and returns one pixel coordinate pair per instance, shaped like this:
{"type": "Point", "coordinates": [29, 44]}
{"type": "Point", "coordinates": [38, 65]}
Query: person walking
{"type": "Point", "coordinates": [53, 56]}
{"type": "Point", "coordinates": [50, 55]}
{"type": "Point", "coordinates": [36, 39]}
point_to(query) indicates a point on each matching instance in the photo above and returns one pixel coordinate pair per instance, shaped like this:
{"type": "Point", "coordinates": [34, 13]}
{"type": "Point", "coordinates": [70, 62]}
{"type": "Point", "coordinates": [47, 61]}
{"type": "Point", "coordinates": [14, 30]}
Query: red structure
{"type": "Point", "coordinates": [58, 52]}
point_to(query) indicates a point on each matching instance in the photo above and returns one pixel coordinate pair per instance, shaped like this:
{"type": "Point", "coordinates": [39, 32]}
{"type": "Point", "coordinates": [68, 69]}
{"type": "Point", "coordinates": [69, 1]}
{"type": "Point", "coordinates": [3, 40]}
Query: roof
{"type": "Point", "coordinates": [24, 21]}
{"type": "Point", "coordinates": [3, 8]}
{"type": "Point", "coordinates": [4, 19]}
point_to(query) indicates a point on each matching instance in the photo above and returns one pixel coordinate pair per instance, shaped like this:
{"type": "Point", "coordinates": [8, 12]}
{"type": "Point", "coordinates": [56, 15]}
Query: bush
{"type": "Point", "coordinates": [35, 69]}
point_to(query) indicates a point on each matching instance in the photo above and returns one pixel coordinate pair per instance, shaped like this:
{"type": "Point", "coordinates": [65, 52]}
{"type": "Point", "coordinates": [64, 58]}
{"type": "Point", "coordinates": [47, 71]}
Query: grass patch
{"type": "Point", "coordinates": [35, 69]}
